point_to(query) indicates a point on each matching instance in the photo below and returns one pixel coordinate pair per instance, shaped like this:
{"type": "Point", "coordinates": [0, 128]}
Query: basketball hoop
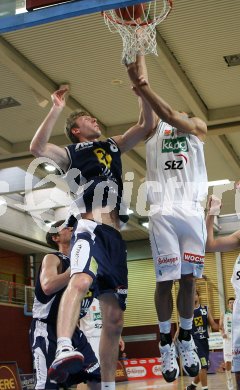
{"type": "Point", "coordinates": [137, 26]}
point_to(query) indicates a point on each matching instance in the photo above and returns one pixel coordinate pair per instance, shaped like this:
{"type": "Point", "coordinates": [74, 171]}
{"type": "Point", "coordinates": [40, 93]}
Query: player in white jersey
{"type": "Point", "coordinates": [225, 244]}
{"type": "Point", "coordinates": [176, 183]}
{"type": "Point", "coordinates": [91, 325]}
{"type": "Point", "coordinates": [225, 326]}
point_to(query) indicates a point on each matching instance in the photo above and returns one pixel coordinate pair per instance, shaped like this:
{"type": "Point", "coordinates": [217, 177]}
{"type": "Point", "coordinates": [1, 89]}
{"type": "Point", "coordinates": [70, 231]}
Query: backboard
{"type": "Point", "coordinates": [46, 11]}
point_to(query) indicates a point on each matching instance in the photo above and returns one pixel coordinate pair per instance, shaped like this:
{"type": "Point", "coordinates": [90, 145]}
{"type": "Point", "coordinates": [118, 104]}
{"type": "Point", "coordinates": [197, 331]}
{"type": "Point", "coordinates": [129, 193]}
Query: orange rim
{"type": "Point", "coordinates": [130, 22]}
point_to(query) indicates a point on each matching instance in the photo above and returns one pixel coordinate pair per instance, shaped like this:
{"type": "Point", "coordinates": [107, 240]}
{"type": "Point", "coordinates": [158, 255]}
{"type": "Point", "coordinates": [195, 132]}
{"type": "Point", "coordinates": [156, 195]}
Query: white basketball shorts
{"type": "Point", "coordinates": [227, 349]}
{"type": "Point", "coordinates": [236, 336]}
{"type": "Point", "coordinates": [178, 242]}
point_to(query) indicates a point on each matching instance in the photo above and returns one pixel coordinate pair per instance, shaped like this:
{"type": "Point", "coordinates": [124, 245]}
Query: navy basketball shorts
{"type": "Point", "coordinates": [99, 250]}
{"type": "Point", "coordinates": [43, 342]}
{"type": "Point", "coordinates": [202, 351]}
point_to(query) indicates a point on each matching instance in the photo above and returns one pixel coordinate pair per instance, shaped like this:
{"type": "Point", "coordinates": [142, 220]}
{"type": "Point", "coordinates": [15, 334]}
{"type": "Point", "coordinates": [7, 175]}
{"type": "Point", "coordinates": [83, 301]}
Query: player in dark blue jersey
{"type": "Point", "coordinates": [202, 318]}
{"type": "Point", "coordinates": [53, 277]}
{"type": "Point", "coordinates": [98, 251]}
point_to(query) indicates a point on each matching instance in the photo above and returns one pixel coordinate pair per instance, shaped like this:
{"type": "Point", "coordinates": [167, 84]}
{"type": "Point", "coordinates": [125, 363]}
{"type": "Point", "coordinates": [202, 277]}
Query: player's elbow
{"type": "Point", "coordinates": [47, 289]}
{"type": "Point", "coordinates": [210, 246]}
{"type": "Point", "coordinates": [35, 149]}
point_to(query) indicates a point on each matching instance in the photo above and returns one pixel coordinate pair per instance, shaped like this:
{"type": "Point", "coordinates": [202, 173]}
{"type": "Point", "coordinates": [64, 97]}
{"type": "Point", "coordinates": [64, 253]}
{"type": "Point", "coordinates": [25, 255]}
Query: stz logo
{"type": "Point", "coordinates": [237, 275]}
{"type": "Point", "coordinates": [175, 164]}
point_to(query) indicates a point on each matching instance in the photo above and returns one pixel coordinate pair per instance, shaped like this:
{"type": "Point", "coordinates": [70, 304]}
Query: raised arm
{"type": "Point", "coordinates": [40, 147]}
{"type": "Point", "coordinates": [147, 120]}
{"type": "Point", "coordinates": [164, 111]}
{"type": "Point", "coordinates": [219, 244]}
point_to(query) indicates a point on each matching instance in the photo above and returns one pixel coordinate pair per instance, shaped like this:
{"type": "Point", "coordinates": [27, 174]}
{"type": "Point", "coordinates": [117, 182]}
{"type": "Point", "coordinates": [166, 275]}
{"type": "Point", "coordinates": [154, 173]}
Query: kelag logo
{"type": "Point", "coordinates": [97, 316]}
{"type": "Point", "coordinates": [175, 145]}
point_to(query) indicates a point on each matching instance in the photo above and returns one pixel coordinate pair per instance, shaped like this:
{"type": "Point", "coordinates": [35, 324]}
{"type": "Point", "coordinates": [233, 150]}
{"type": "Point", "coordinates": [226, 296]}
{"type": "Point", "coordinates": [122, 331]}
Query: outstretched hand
{"type": "Point", "coordinates": [58, 97]}
{"type": "Point", "coordinates": [133, 73]}
{"type": "Point", "coordinates": [214, 205]}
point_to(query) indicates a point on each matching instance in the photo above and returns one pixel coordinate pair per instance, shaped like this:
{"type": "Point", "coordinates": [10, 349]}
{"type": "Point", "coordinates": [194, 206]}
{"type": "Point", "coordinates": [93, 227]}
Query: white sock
{"type": "Point", "coordinates": [64, 341]}
{"type": "Point", "coordinates": [186, 323]}
{"type": "Point", "coordinates": [229, 374]}
{"type": "Point", "coordinates": [165, 326]}
{"type": "Point", "coordinates": [108, 385]}
{"type": "Point", "coordinates": [205, 388]}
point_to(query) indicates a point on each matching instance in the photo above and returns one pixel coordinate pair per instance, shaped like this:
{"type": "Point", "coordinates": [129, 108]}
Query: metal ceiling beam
{"type": "Point", "coordinates": [228, 152]}
{"type": "Point", "coordinates": [224, 128]}
{"type": "Point", "coordinates": [214, 129]}
{"type": "Point", "coordinates": [181, 83]}
{"type": "Point", "coordinates": [37, 80]}
{"type": "Point", "coordinates": [33, 76]}
{"type": "Point", "coordinates": [5, 146]}
{"type": "Point", "coordinates": [224, 115]}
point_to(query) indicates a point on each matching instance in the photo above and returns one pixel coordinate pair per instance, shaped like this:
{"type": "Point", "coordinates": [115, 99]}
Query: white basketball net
{"type": "Point", "coordinates": [138, 35]}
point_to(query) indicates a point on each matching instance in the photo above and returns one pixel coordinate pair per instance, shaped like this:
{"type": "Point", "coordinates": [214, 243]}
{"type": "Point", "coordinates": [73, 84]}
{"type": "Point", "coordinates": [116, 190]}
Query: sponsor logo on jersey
{"type": "Point", "coordinates": [168, 132]}
{"type": "Point", "coordinates": [83, 145]}
{"type": "Point", "coordinates": [175, 145]}
{"type": "Point", "coordinates": [97, 316]}
{"type": "Point", "coordinates": [167, 260]}
{"type": "Point", "coordinates": [176, 164]}
{"type": "Point", "coordinates": [122, 291]}
{"type": "Point", "coordinates": [193, 258]}
{"type": "Point", "coordinates": [198, 321]}
{"type": "Point", "coordinates": [103, 157]}
{"type": "Point", "coordinates": [237, 275]}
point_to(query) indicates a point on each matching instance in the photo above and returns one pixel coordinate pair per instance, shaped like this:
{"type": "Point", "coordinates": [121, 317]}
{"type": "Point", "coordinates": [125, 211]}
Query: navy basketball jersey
{"type": "Point", "coordinates": [200, 322]}
{"type": "Point", "coordinates": [97, 168]}
{"type": "Point", "coordinates": [45, 307]}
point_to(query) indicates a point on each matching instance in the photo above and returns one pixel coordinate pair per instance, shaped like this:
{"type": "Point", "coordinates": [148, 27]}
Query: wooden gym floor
{"type": "Point", "coordinates": [215, 382]}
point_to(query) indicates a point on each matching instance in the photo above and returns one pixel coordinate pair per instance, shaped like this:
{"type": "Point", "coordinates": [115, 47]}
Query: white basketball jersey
{"type": "Point", "coordinates": [91, 323]}
{"type": "Point", "coordinates": [176, 171]}
{"type": "Point", "coordinates": [236, 277]}
{"type": "Point", "coordinates": [227, 323]}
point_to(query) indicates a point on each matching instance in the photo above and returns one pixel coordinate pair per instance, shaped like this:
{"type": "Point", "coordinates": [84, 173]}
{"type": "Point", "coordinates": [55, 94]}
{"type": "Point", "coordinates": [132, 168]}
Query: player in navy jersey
{"type": "Point", "coordinates": [52, 279]}
{"type": "Point", "coordinates": [202, 319]}
{"type": "Point", "coordinates": [98, 251]}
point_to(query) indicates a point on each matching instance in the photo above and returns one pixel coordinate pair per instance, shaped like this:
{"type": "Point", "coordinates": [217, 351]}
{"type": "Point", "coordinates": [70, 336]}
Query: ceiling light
{"type": "Point", "coordinates": [232, 60]}
{"type": "Point", "coordinates": [145, 224]}
{"type": "Point", "coordinates": [218, 182]}
{"type": "Point", "coordinates": [116, 82]}
{"type": "Point", "coordinates": [49, 168]}
{"type": "Point", "coordinates": [8, 102]}
{"type": "Point", "coordinates": [49, 223]}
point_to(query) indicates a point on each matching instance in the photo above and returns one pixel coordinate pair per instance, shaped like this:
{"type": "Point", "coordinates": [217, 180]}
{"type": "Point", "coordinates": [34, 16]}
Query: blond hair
{"type": "Point", "coordinates": [71, 123]}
